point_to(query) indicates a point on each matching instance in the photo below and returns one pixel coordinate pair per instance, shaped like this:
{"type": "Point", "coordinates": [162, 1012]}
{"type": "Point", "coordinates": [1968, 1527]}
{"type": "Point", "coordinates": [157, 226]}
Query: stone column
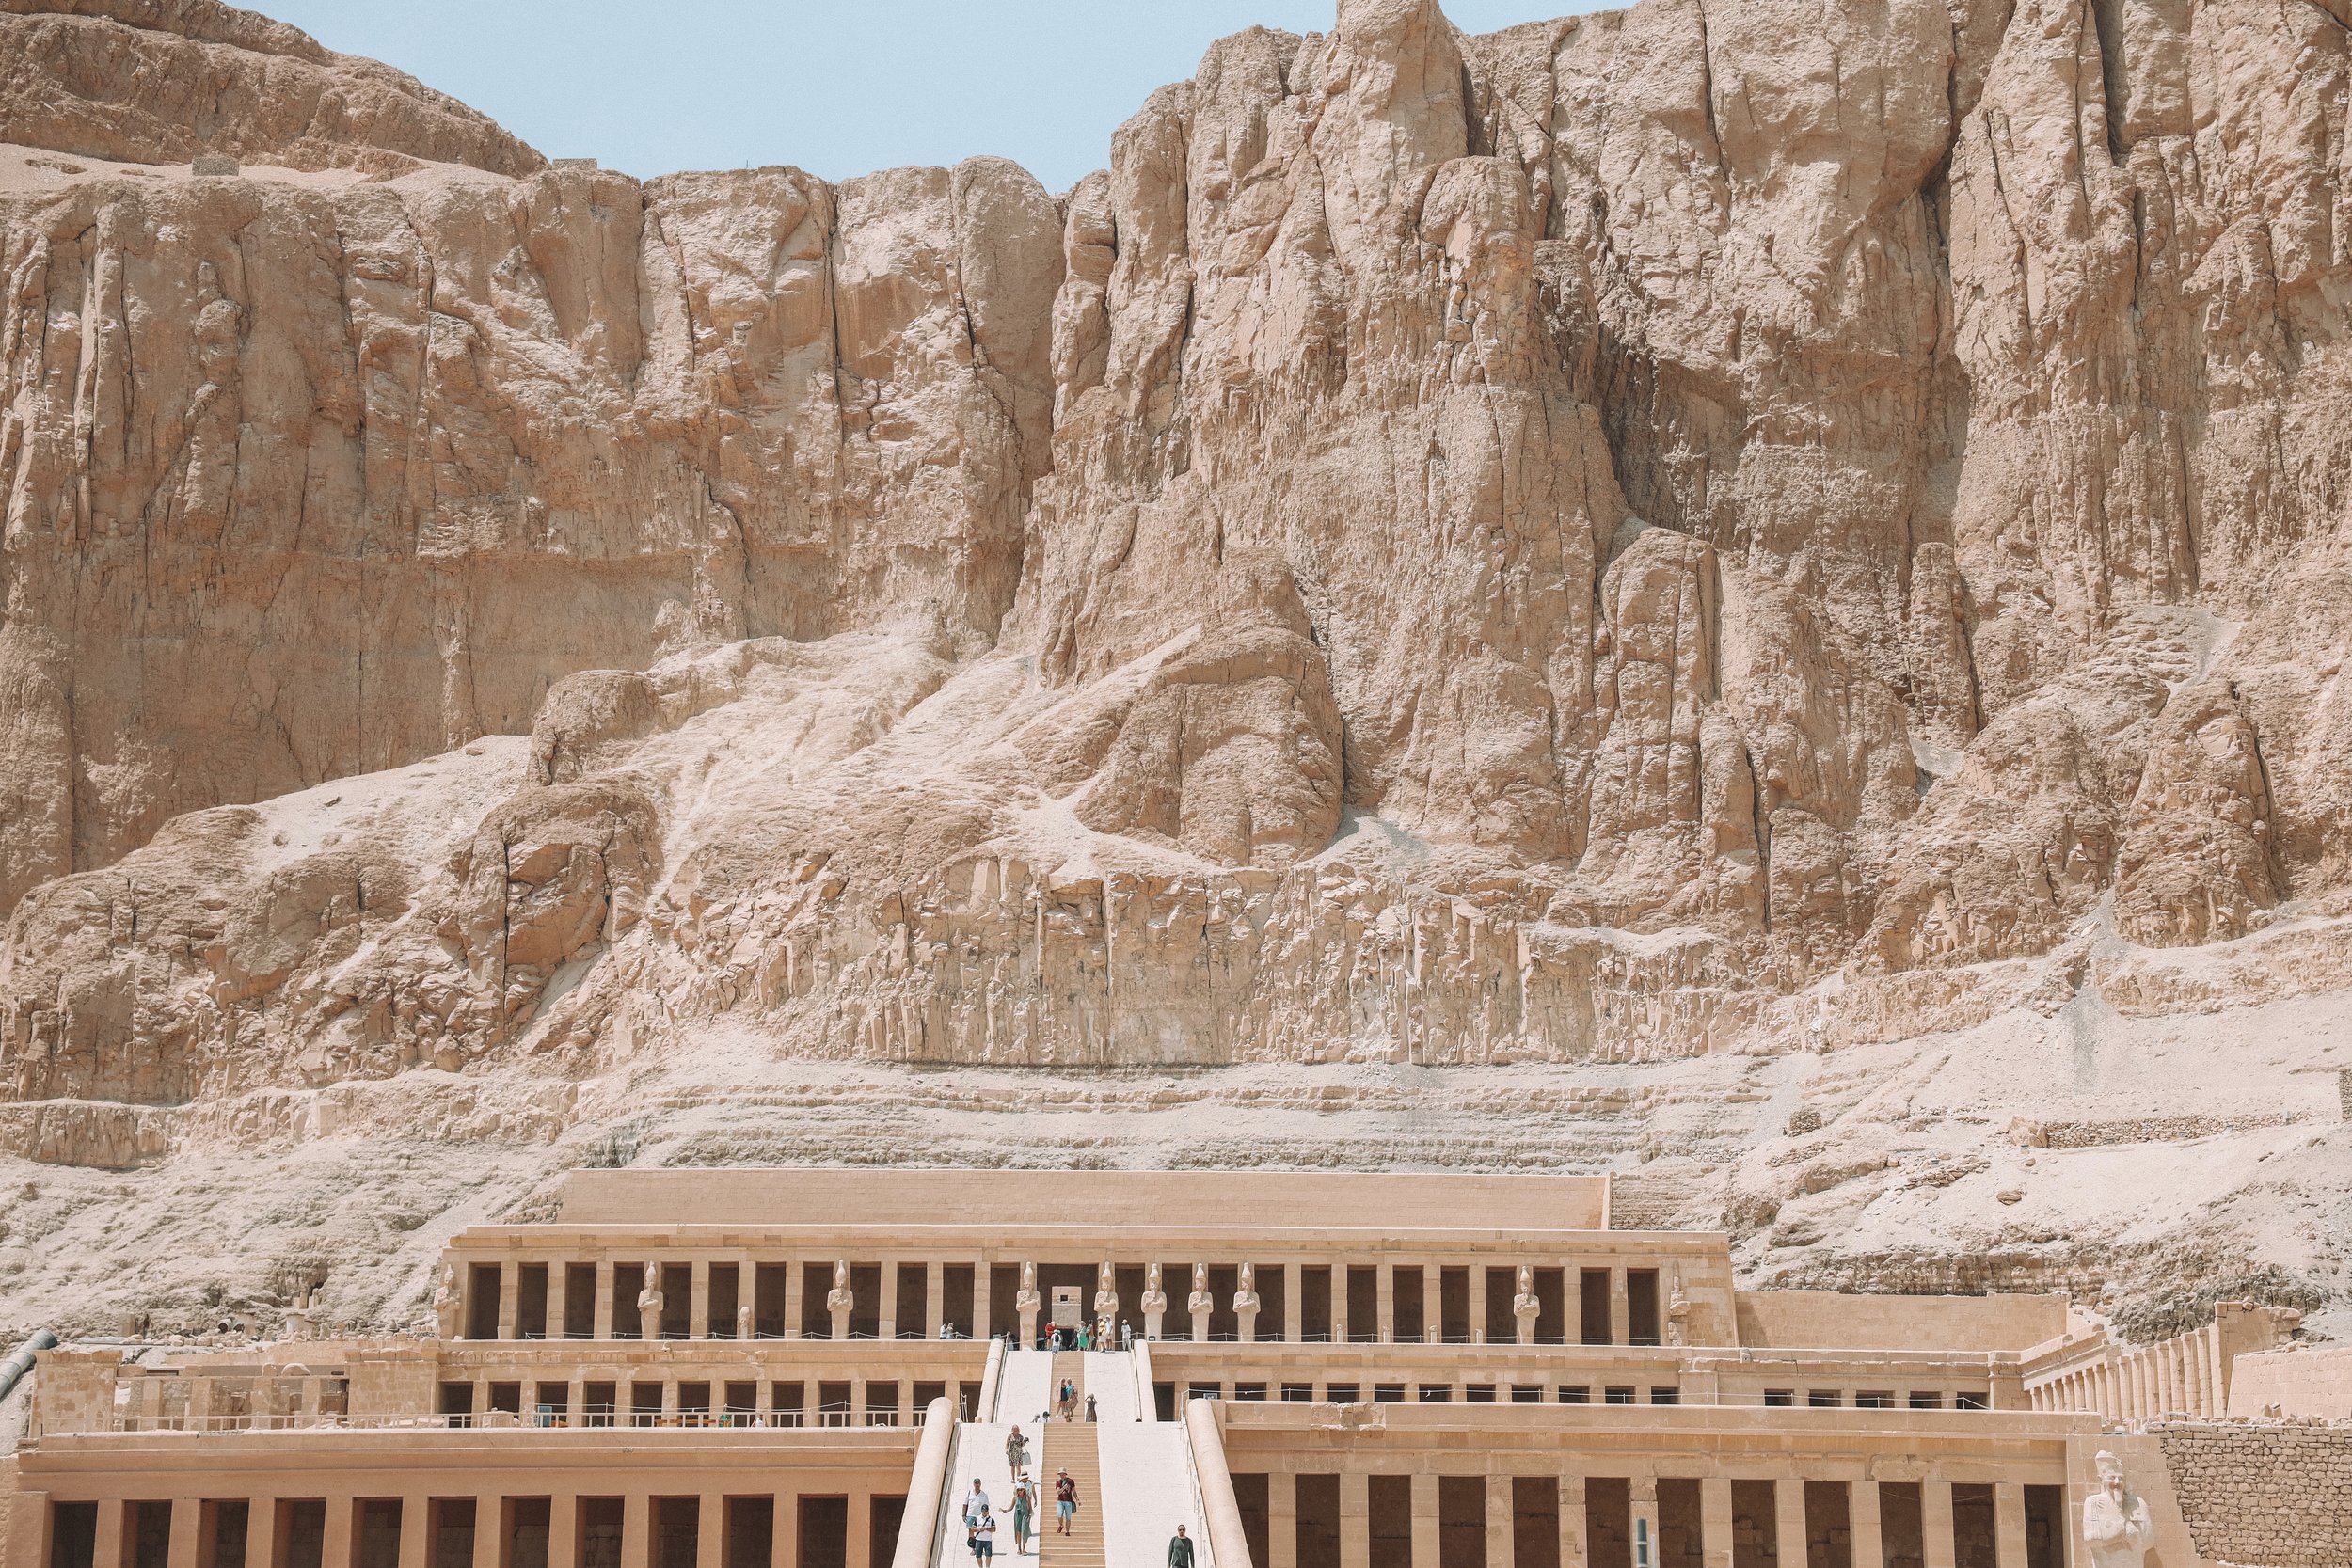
{"type": "Point", "coordinates": [886, 1310]}
{"type": "Point", "coordinates": [576, 1403]}
{"type": "Point", "coordinates": [1432, 1310]}
{"type": "Point", "coordinates": [559, 1303]}
{"type": "Point", "coordinates": [1620, 1316]}
{"type": "Point", "coordinates": [1789, 1511]}
{"type": "Point", "coordinates": [1355, 1521]}
{"type": "Point", "coordinates": [698, 1299]}
{"type": "Point", "coordinates": [416, 1520]}
{"type": "Point", "coordinates": [934, 1298]}
{"type": "Point", "coordinates": [187, 1519]}
{"type": "Point", "coordinates": [107, 1550]}
{"type": "Point", "coordinates": [1425, 1537]}
{"type": "Point", "coordinates": [1281, 1515]}
{"type": "Point", "coordinates": [791, 1307]}
{"type": "Point", "coordinates": [1293, 1302]}
{"type": "Point", "coordinates": [1338, 1301]}
{"type": "Point", "coordinates": [260, 1535]}
{"type": "Point", "coordinates": [340, 1527]}
{"type": "Point", "coordinates": [981, 1327]}
{"type": "Point", "coordinates": [862, 1527]}
{"type": "Point", "coordinates": [1935, 1523]}
{"type": "Point", "coordinates": [563, 1534]}
{"type": "Point", "coordinates": [636, 1531]}
{"type": "Point", "coordinates": [1501, 1535]}
{"type": "Point", "coordinates": [710, 1533]}
{"type": "Point", "coordinates": [603, 1326]}
{"type": "Point", "coordinates": [1384, 1300]}
{"type": "Point", "coordinates": [1574, 1551]}
{"type": "Point", "coordinates": [510, 1298]}
{"type": "Point", "coordinates": [788, 1538]}
{"type": "Point", "coordinates": [1644, 1516]}
{"type": "Point", "coordinates": [2008, 1521]}
{"type": "Point", "coordinates": [1868, 1549]}
{"type": "Point", "coordinates": [1715, 1523]}
{"type": "Point", "coordinates": [1478, 1304]}
{"type": "Point", "coordinates": [489, 1530]}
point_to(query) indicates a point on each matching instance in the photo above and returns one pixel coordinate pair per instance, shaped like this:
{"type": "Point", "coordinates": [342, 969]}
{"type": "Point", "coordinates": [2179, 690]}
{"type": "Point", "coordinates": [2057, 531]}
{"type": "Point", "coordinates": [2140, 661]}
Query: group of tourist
{"type": "Point", "coordinates": [979, 1518]}
{"type": "Point", "coordinates": [1095, 1335]}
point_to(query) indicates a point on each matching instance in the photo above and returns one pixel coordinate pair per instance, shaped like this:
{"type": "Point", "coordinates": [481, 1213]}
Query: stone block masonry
{"type": "Point", "coordinates": [2263, 1496]}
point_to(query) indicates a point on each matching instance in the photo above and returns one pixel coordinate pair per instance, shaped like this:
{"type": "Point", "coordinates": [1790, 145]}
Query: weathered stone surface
{"type": "Point", "coordinates": [1731, 528]}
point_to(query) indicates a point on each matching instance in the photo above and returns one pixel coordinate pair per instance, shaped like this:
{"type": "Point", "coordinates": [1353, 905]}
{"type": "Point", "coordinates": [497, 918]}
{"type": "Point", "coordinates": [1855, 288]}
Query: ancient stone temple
{"type": "Point", "coordinates": [812, 1369]}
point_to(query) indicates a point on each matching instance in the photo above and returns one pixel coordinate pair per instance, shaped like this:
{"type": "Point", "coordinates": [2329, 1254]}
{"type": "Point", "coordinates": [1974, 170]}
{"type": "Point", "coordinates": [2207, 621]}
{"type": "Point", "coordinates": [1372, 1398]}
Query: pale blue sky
{"type": "Point", "coordinates": [656, 86]}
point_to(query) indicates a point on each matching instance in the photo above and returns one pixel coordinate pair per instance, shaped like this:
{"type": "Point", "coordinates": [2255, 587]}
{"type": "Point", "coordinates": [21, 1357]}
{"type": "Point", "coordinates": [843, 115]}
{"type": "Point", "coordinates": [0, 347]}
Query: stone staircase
{"type": "Point", "coordinates": [1072, 1447]}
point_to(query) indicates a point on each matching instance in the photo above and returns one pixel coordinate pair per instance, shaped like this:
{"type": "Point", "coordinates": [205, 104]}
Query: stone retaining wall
{"type": "Point", "coordinates": [2270, 1496]}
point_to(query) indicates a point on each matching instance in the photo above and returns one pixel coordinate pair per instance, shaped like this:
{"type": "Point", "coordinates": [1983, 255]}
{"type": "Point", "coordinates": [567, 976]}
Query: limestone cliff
{"type": "Point", "coordinates": [1804, 535]}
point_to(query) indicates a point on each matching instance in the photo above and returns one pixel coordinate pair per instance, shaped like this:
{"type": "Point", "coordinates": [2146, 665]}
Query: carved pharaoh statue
{"type": "Point", "coordinates": [1200, 1300]}
{"type": "Point", "coordinates": [1106, 1292]}
{"type": "Point", "coordinates": [1154, 1298]}
{"type": "Point", "coordinates": [1523, 1304]}
{"type": "Point", "coordinates": [2116, 1525]}
{"type": "Point", "coordinates": [840, 1298]}
{"type": "Point", "coordinates": [1245, 1289]}
{"type": "Point", "coordinates": [1677, 1314]}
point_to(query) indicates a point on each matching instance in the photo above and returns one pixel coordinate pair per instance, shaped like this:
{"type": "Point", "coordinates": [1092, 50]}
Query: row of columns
{"type": "Point", "coordinates": [343, 1528]}
{"type": "Point", "coordinates": [764, 1406]}
{"type": "Point", "coordinates": [2182, 1375]}
{"type": "Point", "coordinates": [1245, 1305]}
{"type": "Point", "coordinates": [1716, 1515]}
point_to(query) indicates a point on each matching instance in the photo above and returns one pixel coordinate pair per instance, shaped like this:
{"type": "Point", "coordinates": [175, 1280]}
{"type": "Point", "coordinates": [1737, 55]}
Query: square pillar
{"type": "Point", "coordinates": [107, 1551]}
{"type": "Point", "coordinates": [1715, 1524]}
{"type": "Point", "coordinates": [1645, 1518]}
{"type": "Point", "coordinates": [510, 1301]}
{"type": "Point", "coordinates": [1868, 1549]}
{"type": "Point", "coordinates": [934, 1298]}
{"type": "Point", "coordinates": [416, 1511]}
{"type": "Point", "coordinates": [1425, 1537]}
{"type": "Point", "coordinates": [1338, 1301]}
{"type": "Point", "coordinates": [886, 1310]}
{"type": "Point", "coordinates": [1478, 1304]}
{"type": "Point", "coordinates": [187, 1518]}
{"type": "Point", "coordinates": [1502, 1533]}
{"type": "Point", "coordinates": [788, 1536]}
{"type": "Point", "coordinates": [563, 1532]}
{"type": "Point", "coordinates": [636, 1531]}
{"type": "Point", "coordinates": [1432, 1329]}
{"type": "Point", "coordinates": [1935, 1524]}
{"type": "Point", "coordinates": [862, 1529]}
{"type": "Point", "coordinates": [558, 1308]}
{"type": "Point", "coordinates": [603, 1328]}
{"type": "Point", "coordinates": [791, 1307]}
{"type": "Point", "coordinates": [1384, 1302]}
{"type": "Point", "coordinates": [1354, 1517]}
{"type": "Point", "coordinates": [1789, 1510]}
{"type": "Point", "coordinates": [1574, 1551]}
{"type": "Point", "coordinates": [709, 1534]}
{"type": "Point", "coordinates": [698, 1300]}
{"type": "Point", "coordinates": [1620, 1316]}
{"type": "Point", "coordinates": [2008, 1522]}
{"type": "Point", "coordinates": [1293, 1305]}
{"type": "Point", "coordinates": [260, 1534]}
{"type": "Point", "coordinates": [981, 1327]}
{"type": "Point", "coordinates": [335, 1540]}
{"type": "Point", "coordinates": [1281, 1513]}
{"type": "Point", "coordinates": [489, 1532]}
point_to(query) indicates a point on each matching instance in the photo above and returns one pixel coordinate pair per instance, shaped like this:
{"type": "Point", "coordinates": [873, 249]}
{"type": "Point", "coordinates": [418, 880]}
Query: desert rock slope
{"type": "Point", "coordinates": [1750, 592]}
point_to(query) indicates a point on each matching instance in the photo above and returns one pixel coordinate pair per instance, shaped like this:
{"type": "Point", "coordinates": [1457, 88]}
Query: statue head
{"type": "Point", "coordinates": [1152, 1275]}
{"type": "Point", "coordinates": [1028, 1276]}
{"type": "Point", "coordinates": [841, 1273]}
{"type": "Point", "coordinates": [1102, 1277]}
{"type": "Point", "coordinates": [1201, 1276]}
{"type": "Point", "coordinates": [1527, 1280]}
{"type": "Point", "coordinates": [1248, 1277]}
{"type": "Point", "coordinates": [2110, 1473]}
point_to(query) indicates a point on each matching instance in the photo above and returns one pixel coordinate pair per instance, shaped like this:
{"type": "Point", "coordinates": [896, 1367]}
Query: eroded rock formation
{"type": "Point", "coordinates": [1734, 526]}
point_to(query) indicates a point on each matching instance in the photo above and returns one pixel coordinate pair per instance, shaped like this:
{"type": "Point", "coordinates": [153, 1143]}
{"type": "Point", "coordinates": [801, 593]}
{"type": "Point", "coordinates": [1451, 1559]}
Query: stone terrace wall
{"type": "Point", "coordinates": [2263, 1496]}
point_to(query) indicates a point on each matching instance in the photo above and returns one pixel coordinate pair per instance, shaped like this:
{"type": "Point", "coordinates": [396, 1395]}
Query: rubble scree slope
{"type": "Point", "coordinates": [1748, 591]}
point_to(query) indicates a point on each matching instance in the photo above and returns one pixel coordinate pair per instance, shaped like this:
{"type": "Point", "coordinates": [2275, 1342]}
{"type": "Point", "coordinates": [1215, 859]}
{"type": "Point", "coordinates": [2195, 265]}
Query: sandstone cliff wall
{"type": "Point", "coordinates": [1729, 526]}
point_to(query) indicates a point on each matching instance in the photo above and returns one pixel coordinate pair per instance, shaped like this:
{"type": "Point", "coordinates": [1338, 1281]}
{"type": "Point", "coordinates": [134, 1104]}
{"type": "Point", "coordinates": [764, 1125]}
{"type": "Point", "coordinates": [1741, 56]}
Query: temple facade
{"type": "Point", "coordinates": [812, 1369]}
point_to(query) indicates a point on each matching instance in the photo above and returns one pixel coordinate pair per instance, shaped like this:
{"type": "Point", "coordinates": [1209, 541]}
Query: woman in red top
{"type": "Point", "coordinates": [1065, 1503]}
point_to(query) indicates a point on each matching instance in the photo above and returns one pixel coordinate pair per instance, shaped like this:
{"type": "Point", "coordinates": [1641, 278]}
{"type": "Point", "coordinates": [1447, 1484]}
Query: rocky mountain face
{"type": "Point", "coordinates": [1766, 574]}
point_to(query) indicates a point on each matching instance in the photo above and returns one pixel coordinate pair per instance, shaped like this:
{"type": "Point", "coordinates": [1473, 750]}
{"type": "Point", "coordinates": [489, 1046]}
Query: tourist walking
{"type": "Point", "coordinates": [1016, 1452]}
{"type": "Point", "coordinates": [976, 1505]}
{"type": "Point", "coordinates": [1126, 1335]}
{"type": "Point", "coordinates": [1065, 1503]}
{"type": "Point", "coordinates": [1023, 1515]}
{"type": "Point", "coordinates": [1089, 1409]}
{"type": "Point", "coordinates": [984, 1541]}
{"type": "Point", "coordinates": [1180, 1550]}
